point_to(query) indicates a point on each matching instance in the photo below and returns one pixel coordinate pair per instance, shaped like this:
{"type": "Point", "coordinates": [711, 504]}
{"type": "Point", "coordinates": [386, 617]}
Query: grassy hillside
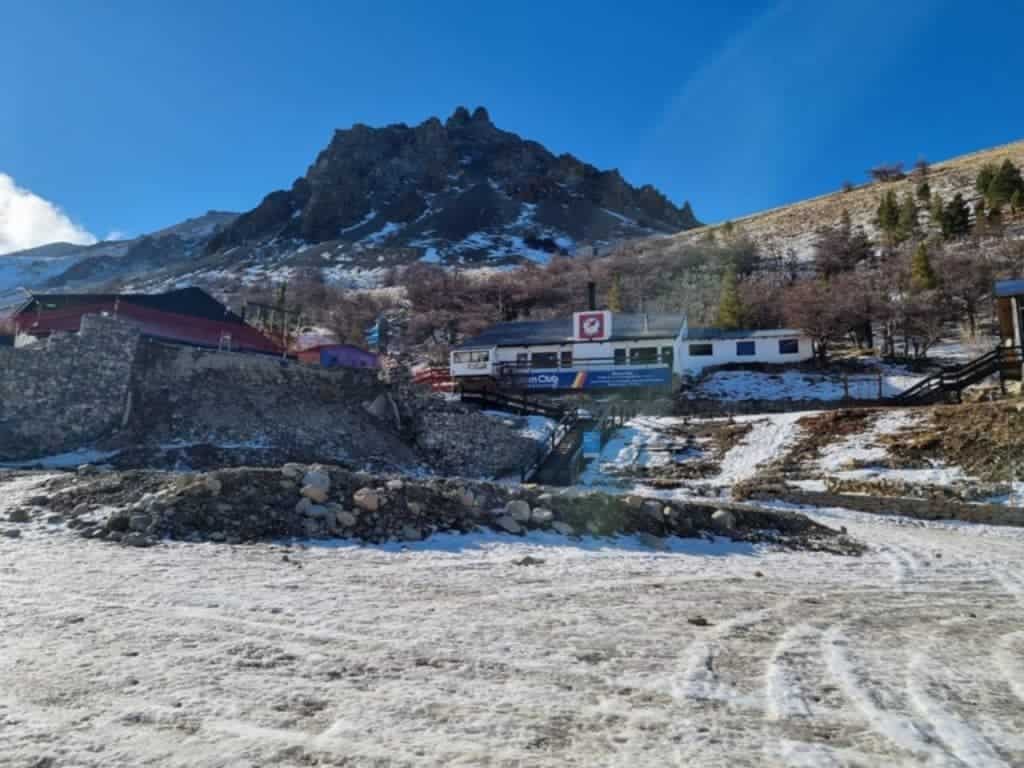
{"type": "Point", "coordinates": [794, 227]}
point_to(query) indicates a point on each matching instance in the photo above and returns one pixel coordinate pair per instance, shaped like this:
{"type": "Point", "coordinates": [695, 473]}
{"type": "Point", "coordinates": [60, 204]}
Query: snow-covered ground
{"type": "Point", "coordinates": [68, 460]}
{"type": "Point", "coordinates": [532, 426]}
{"type": "Point", "coordinates": [800, 385]}
{"type": "Point", "coordinates": [769, 437]}
{"type": "Point", "coordinates": [639, 443]}
{"type": "Point", "coordinates": [450, 653]}
{"type": "Point", "coordinates": [863, 456]}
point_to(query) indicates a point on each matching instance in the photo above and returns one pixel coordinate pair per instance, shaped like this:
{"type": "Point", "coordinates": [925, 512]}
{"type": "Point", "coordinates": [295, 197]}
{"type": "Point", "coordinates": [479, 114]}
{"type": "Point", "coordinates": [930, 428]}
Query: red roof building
{"type": "Point", "coordinates": [186, 316]}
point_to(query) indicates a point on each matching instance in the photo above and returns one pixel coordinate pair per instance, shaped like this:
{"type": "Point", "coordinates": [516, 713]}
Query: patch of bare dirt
{"type": "Point", "coordinates": [822, 429]}
{"type": "Point", "coordinates": [985, 439]}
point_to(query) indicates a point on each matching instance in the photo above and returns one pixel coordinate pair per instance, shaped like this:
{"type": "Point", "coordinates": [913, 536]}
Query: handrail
{"type": "Point", "coordinates": [564, 428]}
{"type": "Point", "coordinates": [521, 404]}
{"type": "Point", "coordinates": [957, 378]}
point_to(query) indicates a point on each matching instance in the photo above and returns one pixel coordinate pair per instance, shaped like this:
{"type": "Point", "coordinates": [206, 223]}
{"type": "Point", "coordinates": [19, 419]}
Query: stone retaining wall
{"type": "Point", "coordinates": [159, 404]}
{"type": "Point", "coordinates": [66, 391]}
{"type": "Point", "coordinates": [922, 509]}
{"type": "Point", "coordinates": [264, 408]}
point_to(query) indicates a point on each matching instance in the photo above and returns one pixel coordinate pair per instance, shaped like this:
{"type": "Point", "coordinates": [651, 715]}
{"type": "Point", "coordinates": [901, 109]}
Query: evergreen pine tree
{"type": "Point", "coordinates": [730, 311]}
{"type": "Point", "coordinates": [1007, 181]}
{"type": "Point", "coordinates": [1017, 201]}
{"type": "Point", "coordinates": [924, 191]}
{"type": "Point", "coordinates": [984, 178]}
{"type": "Point", "coordinates": [613, 299]}
{"type": "Point", "coordinates": [907, 223]}
{"type": "Point", "coordinates": [997, 184]}
{"type": "Point", "coordinates": [922, 276]}
{"type": "Point", "coordinates": [956, 218]}
{"type": "Point", "coordinates": [889, 216]}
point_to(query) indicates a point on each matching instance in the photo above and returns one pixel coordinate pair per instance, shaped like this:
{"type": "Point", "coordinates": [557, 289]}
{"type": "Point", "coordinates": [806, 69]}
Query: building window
{"type": "Point", "coordinates": [522, 359]}
{"type": "Point", "coordinates": [745, 349]}
{"type": "Point", "coordinates": [620, 357]}
{"type": "Point", "coordinates": [789, 346]}
{"type": "Point", "coordinates": [702, 350]}
{"type": "Point", "coordinates": [475, 360]}
{"type": "Point", "coordinates": [643, 355]}
{"type": "Point", "coordinates": [667, 355]}
{"type": "Point", "coordinates": [544, 360]}
{"type": "Point", "coordinates": [566, 358]}
{"type": "Point", "coordinates": [479, 356]}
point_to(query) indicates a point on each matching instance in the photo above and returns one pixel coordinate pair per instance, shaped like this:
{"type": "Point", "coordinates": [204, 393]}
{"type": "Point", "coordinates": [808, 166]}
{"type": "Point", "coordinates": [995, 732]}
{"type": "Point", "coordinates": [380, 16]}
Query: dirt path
{"type": "Point", "coordinates": [209, 655]}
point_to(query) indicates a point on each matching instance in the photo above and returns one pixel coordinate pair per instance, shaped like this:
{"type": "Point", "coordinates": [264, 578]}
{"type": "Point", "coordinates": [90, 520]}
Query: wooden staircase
{"type": "Point", "coordinates": [951, 381]}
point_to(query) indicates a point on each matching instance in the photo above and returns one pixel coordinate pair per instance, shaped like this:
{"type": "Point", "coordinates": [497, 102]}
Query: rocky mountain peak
{"type": "Point", "coordinates": [461, 190]}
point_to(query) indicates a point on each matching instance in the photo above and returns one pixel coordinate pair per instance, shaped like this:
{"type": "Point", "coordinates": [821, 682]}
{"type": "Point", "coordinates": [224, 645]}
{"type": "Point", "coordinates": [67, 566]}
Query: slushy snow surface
{"type": "Point", "coordinates": [206, 655]}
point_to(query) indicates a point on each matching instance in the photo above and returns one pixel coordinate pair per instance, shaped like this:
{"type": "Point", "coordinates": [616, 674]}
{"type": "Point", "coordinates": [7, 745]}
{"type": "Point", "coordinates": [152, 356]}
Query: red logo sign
{"type": "Point", "coordinates": [592, 326]}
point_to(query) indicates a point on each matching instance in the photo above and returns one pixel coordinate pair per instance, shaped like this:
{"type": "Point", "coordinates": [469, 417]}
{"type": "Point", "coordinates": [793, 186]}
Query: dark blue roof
{"type": "Point", "coordinates": [1010, 287]}
{"type": "Point", "coordinates": [191, 301]}
{"type": "Point", "coordinates": [722, 333]}
{"type": "Point", "coordinates": [625, 327]}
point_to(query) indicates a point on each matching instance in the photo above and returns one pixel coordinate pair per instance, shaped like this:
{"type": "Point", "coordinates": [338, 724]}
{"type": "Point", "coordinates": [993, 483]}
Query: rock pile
{"type": "Point", "coordinates": [459, 440]}
{"type": "Point", "coordinates": [246, 505]}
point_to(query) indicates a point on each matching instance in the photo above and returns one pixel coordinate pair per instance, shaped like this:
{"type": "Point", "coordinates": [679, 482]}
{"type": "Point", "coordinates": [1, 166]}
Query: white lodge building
{"type": "Point", "coordinates": [602, 350]}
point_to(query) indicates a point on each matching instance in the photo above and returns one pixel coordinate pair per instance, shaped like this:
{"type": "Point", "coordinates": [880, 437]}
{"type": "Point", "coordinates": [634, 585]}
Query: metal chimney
{"type": "Point", "coordinates": [591, 296]}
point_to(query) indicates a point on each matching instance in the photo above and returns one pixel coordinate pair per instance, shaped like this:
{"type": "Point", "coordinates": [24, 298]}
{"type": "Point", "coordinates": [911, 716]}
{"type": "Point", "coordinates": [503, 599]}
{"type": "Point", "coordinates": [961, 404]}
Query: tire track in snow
{"type": "Point", "coordinates": [700, 677]}
{"type": "Point", "coordinates": [965, 742]}
{"type": "Point", "coordinates": [895, 727]}
{"type": "Point", "coordinates": [783, 695]}
{"type": "Point", "coordinates": [904, 563]}
{"type": "Point", "coordinates": [1009, 666]}
{"type": "Point", "coordinates": [785, 698]}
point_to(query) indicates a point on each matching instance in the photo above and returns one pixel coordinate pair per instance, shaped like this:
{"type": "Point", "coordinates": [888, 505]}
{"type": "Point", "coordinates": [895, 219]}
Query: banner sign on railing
{"type": "Point", "coordinates": [647, 376]}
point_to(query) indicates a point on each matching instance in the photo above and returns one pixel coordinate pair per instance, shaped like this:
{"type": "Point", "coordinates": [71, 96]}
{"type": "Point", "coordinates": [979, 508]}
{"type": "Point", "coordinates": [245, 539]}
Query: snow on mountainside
{"type": "Point", "coordinates": [462, 191]}
{"type": "Point", "coordinates": [456, 193]}
{"type": "Point", "coordinates": [63, 266]}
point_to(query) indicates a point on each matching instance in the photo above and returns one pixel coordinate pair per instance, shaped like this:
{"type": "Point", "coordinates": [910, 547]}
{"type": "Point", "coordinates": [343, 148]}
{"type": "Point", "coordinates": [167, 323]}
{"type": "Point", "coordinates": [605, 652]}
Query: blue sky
{"type": "Point", "coordinates": [130, 116]}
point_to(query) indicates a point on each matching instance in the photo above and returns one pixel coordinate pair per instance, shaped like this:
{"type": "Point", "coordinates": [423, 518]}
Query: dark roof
{"type": "Point", "coordinates": [1010, 287]}
{"type": "Point", "coordinates": [11, 302]}
{"type": "Point", "coordinates": [194, 302]}
{"type": "Point", "coordinates": [722, 333]}
{"type": "Point", "coordinates": [559, 331]}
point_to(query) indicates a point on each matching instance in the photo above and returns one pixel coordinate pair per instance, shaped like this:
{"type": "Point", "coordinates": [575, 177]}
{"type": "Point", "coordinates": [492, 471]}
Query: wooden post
{"type": "Point", "coordinates": [846, 387]}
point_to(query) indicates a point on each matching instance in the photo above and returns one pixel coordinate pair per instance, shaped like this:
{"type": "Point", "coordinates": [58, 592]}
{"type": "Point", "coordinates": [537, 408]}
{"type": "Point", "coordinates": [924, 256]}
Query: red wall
{"type": "Point", "coordinates": [151, 322]}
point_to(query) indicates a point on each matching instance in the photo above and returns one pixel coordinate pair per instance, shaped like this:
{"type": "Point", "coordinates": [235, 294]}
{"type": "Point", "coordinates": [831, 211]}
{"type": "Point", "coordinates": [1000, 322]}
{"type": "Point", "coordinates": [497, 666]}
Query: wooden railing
{"type": "Point", "coordinates": [954, 379]}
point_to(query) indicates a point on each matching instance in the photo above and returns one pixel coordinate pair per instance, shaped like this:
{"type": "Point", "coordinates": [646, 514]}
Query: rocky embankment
{"type": "Point", "coordinates": [243, 505]}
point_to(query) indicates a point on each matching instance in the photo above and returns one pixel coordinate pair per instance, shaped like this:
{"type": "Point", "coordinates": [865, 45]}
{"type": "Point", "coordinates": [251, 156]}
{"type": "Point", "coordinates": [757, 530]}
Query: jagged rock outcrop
{"type": "Point", "coordinates": [462, 188]}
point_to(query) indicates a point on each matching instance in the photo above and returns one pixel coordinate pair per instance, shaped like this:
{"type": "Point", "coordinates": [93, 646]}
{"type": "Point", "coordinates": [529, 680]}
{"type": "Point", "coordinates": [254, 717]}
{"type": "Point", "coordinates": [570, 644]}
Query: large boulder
{"type": "Point", "coordinates": [367, 499]}
{"type": "Point", "coordinates": [518, 510]}
{"type": "Point", "coordinates": [542, 516]}
{"type": "Point", "coordinates": [316, 484]}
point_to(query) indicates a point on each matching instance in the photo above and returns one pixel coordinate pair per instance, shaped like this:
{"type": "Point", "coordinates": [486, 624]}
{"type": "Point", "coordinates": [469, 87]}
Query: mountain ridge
{"type": "Point", "coordinates": [462, 192]}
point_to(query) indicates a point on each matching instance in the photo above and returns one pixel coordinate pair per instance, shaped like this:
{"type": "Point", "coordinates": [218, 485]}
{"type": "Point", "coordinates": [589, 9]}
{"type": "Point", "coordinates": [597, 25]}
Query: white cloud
{"type": "Point", "coordinates": [116, 234]}
{"type": "Point", "coordinates": [27, 220]}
